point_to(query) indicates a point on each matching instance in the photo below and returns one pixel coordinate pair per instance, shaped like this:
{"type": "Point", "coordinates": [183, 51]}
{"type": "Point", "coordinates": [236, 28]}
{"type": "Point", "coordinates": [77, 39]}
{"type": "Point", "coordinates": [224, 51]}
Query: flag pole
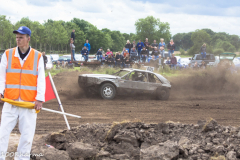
{"type": "Point", "coordinates": [68, 114]}
{"type": "Point", "coordinates": [59, 101]}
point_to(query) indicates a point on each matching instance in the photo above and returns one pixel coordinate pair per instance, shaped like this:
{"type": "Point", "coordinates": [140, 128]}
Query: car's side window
{"type": "Point", "coordinates": [126, 77]}
{"type": "Point", "coordinates": [138, 76]}
{"type": "Point", "coordinates": [153, 78]}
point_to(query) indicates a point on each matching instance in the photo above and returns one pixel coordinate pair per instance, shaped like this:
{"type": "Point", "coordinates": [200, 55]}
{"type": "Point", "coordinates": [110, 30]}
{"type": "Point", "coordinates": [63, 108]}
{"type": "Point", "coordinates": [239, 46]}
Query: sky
{"type": "Point", "coordinates": [183, 16]}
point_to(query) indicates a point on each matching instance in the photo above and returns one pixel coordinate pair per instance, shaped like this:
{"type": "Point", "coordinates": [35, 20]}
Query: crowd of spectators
{"type": "Point", "coordinates": [142, 52]}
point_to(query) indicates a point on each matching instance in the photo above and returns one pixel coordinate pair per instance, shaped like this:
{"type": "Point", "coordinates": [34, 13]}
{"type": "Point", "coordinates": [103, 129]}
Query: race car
{"type": "Point", "coordinates": [128, 82]}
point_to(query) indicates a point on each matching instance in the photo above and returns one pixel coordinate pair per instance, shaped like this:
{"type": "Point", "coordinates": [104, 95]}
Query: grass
{"type": "Point", "coordinates": [55, 71]}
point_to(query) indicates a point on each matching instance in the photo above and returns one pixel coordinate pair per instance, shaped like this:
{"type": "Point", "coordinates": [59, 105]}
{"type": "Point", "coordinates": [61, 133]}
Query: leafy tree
{"type": "Point", "coordinates": [126, 36]}
{"type": "Point", "coordinates": [152, 28]}
{"type": "Point", "coordinates": [226, 46]}
{"type": "Point", "coordinates": [199, 37]}
{"type": "Point", "coordinates": [118, 40]}
{"type": "Point", "coordinates": [6, 29]}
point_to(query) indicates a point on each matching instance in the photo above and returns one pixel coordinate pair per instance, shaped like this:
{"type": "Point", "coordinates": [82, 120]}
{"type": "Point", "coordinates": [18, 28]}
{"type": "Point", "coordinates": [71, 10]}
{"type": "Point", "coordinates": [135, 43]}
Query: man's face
{"type": "Point", "coordinates": [86, 41]}
{"type": "Point", "coordinates": [133, 49]}
{"type": "Point", "coordinates": [154, 41]}
{"type": "Point", "coordinates": [146, 40]}
{"type": "Point", "coordinates": [144, 49]}
{"type": "Point", "coordinates": [173, 55]}
{"type": "Point", "coordinates": [85, 47]}
{"type": "Point", "coordinates": [73, 30]}
{"type": "Point", "coordinates": [139, 41]}
{"type": "Point", "coordinates": [22, 40]}
{"type": "Point", "coordinates": [43, 53]}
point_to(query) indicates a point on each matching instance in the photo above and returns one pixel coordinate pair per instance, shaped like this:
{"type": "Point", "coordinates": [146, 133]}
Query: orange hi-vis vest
{"type": "Point", "coordinates": [21, 81]}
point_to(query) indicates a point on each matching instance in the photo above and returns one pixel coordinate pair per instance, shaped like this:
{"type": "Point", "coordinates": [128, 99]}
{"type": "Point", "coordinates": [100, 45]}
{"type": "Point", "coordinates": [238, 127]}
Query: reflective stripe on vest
{"type": "Point", "coordinates": [33, 72]}
{"type": "Point", "coordinates": [15, 86]}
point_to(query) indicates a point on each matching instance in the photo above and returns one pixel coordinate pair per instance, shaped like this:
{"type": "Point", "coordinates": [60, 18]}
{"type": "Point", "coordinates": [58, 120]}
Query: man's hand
{"type": "Point", "coordinates": [0, 98]}
{"type": "Point", "coordinates": [38, 105]}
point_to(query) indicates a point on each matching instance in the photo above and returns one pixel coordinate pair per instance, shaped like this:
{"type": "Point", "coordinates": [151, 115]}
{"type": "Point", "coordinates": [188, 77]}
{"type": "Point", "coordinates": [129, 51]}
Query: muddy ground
{"type": "Point", "coordinates": [192, 98]}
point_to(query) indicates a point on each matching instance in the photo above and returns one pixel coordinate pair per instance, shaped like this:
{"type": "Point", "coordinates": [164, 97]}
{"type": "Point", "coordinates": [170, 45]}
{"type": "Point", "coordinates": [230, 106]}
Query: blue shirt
{"type": "Point", "coordinates": [140, 45]}
{"type": "Point", "coordinates": [162, 44]}
{"type": "Point", "coordinates": [88, 46]}
{"type": "Point", "coordinates": [99, 52]}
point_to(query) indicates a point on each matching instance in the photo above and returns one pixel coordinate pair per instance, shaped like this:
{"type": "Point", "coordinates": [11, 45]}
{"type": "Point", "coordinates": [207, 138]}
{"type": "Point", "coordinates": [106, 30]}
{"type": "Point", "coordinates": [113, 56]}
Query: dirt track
{"type": "Point", "coordinates": [188, 104]}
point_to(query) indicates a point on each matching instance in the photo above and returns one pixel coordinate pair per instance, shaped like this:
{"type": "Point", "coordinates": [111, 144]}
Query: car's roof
{"type": "Point", "coordinates": [133, 69]}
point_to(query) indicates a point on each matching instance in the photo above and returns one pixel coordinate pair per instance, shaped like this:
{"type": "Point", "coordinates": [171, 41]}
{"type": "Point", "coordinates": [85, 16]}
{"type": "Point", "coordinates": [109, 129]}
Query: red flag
{"type": "Point", "coordinates": [49, 93]}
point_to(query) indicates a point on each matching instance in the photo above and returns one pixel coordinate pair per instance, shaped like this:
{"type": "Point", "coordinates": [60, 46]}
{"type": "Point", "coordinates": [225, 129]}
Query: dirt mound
{"type": "Point", "coordinates": [136, 140]}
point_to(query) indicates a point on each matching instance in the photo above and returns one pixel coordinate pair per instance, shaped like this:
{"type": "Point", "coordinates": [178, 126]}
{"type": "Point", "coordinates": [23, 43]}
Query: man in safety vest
{"type": "Point", "coordinates": [22, 78]}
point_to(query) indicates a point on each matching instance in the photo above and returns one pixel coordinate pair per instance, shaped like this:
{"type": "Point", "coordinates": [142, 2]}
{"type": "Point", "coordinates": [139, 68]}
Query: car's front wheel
{"type": "Point", "coordinates": [107, 91]}
{"type": "Point", "coordinates": [163, 93]}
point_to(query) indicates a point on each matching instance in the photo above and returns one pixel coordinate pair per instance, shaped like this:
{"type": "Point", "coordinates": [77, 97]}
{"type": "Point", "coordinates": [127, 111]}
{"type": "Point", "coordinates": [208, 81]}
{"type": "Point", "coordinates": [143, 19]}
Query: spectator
{"type": "Point", "coordinates": [103, 59]}
{"type": "Point", "coordinates": [161, 47]}
{"type": "Point", "coordinates": [88, 46]}
{"type": "Point", "coordinates": [168, 62]}
{"type": "Point", "coordinates": [123, 51]}
{"type": "Point", "coordinates": [126, 53]}
{"type": "Point", "coordinates": [155, 52]}
{"type": "Point", "coordinates": [72, 46]}
{"type": "Point", "coordinates": [99, 54]}
{"type": "Point", "coordinates": [154, 62]}
{"type": "Point", "coordinates": [119, 60]}
{"type": "Point", "coordinates": [109, 52]}
{"type": "Point", "coordinates": [45, 60]}
{"type": "Point", "coordinates": [203, 65]}
{"type": "Point", "coordinates": [195, 66]}
{"type": "Point", "coordinates": [144, 54]}
{"type": "Point", "coordinates": [203, 51]}
{"type": "Point", "coordinates": [153, 45]}
{"type": "Point", "coordinates": [133, 45]}
{"type": "Point", "coordinates": [140, 45]}
{"type": "Point", "coordinates": [173, 62]}
{"type": "Point", "coordinates": [171, 47]}
{"type": "Point", "coordinates": [153, 59]}
{"type": "Point", "coordinates": [85, 53]}
{"type": "Point", "coordinates": [161, 60]}
{"type": "Point", "coordinates": [127, 61]}
{"type": "Point", "coordinates": [146, 44]}
{"type": "Point", "coordinates": [128, 46]}
{"type": "Point", "coordinates": [134, 54]}
{"type": "Point", "coordinates": [110, 60]}
{"type": "Point", "coordinates": [73, 35]}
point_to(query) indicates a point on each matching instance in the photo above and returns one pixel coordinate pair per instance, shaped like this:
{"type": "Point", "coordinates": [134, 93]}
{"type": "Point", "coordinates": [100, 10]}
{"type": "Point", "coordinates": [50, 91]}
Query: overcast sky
{"type": "Point", "coordinates": [183, 16]}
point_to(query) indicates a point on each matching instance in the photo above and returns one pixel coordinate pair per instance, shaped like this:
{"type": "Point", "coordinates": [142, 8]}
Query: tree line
{"type": "Point", "coordinates": [54, 36]}
{"type": "Point", "coordinates": [217, 42]}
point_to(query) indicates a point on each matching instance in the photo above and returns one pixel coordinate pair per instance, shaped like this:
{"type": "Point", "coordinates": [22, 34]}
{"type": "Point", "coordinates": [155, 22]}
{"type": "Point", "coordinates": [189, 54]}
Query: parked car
{"type": "Point", "coordinates": [127, 82]}
{"type": "Point", "coordinates": [49, 64]}
{"type": "Point", "coordinates": [55, 58]}
{"type": "Point", "coordinates": [66, 61]}
{"type": "Point", "coordinates": [198, 58]}
{"type": "Point", "coordinates": [183, 63]}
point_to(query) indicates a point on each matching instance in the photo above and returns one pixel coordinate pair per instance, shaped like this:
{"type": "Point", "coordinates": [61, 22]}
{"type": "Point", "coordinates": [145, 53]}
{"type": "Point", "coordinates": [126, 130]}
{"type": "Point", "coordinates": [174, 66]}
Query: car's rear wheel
{"type": "Point", "coordinates": [107, 91]}
{"type": "Point", "coordinates": [163, 93]}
